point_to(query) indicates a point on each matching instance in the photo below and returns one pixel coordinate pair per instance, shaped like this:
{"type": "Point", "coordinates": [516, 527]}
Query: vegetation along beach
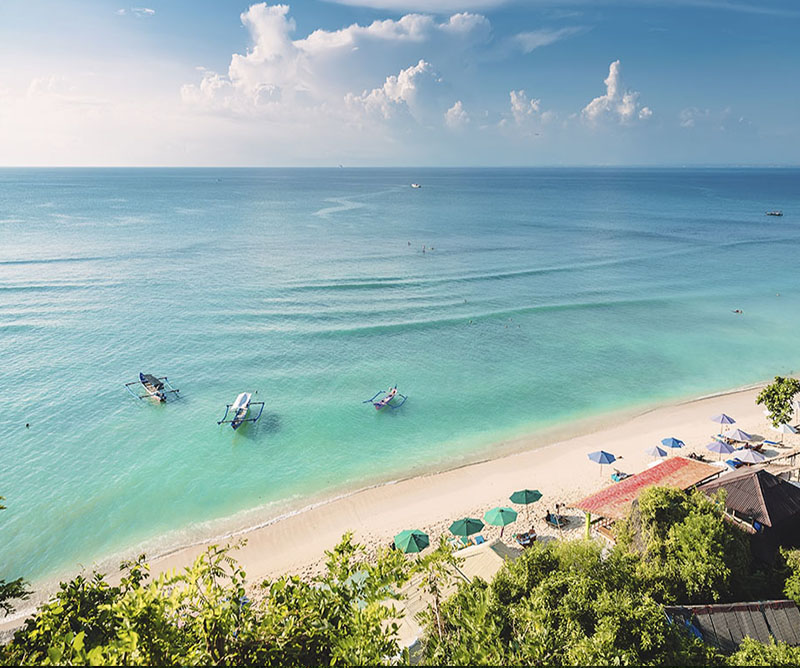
{"type": "Point", "coordinates": [388, 332]}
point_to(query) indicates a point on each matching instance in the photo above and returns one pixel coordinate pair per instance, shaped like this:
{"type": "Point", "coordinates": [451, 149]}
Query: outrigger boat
{"type": "Point", "coordinates": [387, 399]}
{"type": "Point", "coordinates": [239, 410]}
{"type": "Point", "coordinates": [774, 213]}
{"type": "Point", "coordinates": [155, 387]}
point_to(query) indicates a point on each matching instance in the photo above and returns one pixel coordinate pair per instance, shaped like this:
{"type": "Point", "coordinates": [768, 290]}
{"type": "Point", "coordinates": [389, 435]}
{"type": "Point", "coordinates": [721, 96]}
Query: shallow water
{"type": "Point", "coordinates": [543, 296]}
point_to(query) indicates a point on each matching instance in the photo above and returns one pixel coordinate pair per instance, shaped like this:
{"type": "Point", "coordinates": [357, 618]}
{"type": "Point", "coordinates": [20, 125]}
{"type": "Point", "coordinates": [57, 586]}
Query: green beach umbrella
{"type": "Point", "coordinates": [411, 540]}
{"type": "Point", "coordinates": [466, 527]}
{"type": "Point", "coordinates": [524, 497]}
{"type": "Point", "coordinates": [500, 517]}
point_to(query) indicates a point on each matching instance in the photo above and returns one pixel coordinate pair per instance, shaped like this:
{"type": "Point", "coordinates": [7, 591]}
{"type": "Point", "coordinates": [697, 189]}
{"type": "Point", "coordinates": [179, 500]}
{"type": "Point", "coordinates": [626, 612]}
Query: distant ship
{"type": "Point", "coordinates": [774, 213]}
{"type": "Point", "coordinates": [417, 185]}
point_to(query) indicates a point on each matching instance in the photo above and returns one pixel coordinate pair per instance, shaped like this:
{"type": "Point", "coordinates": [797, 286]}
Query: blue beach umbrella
{"type": "Point", "coordinates": [655, 451]}
{"type": "Point", "coordinates": [602, 457]}
{"type": "Point", "coordinates": [723, 419]}
{"type": "Point", "coordinates": [720, 447]}
{"type": "Point", "coordinates": [672, 442]}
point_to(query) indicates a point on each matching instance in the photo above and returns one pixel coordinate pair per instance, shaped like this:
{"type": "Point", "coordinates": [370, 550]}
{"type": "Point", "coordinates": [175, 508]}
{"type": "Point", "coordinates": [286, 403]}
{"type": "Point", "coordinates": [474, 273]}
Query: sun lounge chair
{"type": "Point", "coordinates": [734, 463]}
{"type": "Point", "coordinates": [556, 521]}
{"type": "Point", "coordinates": [479, 539]}
{"type": "Point", "coordinates": [771, 443]}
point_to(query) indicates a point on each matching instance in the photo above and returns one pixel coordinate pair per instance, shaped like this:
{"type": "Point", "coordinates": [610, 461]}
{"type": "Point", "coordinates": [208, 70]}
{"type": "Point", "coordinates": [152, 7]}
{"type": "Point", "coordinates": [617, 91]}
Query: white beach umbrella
{"type": "Point", "coordinates": [749, 456]}
{"type": "Point", "coordinates": [784, 429]}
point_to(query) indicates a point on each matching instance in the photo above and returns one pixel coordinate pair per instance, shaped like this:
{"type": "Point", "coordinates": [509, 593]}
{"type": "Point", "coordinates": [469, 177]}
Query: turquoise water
{"type": "Point", "coordinates": [549, 295]}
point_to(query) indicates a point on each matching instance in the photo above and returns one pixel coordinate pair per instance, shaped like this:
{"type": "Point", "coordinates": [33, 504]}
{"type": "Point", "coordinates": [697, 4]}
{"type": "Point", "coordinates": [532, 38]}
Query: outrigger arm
{"type": "Point", "coordinates": [166, 390]}
{"type": "Point", "coordinates": [250, 419]}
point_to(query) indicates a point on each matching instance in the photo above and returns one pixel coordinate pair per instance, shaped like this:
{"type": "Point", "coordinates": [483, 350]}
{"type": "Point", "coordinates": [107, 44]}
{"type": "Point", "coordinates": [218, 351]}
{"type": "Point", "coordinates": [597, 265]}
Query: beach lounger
{"type": "Point", "coordinates": [772, 443]}
{"type": "Point", "coordinates": [479, 539]}
{"type": "Point", "coordinates": [557, 522]}
{"type": "Point", "coordinates": [734, 463]}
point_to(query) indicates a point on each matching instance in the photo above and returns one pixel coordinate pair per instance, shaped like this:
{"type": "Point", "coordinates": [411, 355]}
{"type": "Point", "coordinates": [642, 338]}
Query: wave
{"type": "Point", "coordinates": [435, 323]}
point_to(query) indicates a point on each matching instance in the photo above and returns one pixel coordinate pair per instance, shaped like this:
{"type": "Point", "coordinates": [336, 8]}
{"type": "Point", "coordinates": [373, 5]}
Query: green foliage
{"type": "Point", "coordinates": [15, 589]}
{"type": "Point", "coordinates": [201, 616]}
{"type": "Point", "coordinates": [690, 553]}
{"type": "Point", "coordinates": [777, 398]}
{"type": "Point", "coordinates": [560, 604]}
{"type": "Point", "coordinates": [753, 653]}
{"type": "Point", "coordinates": [792, 585]}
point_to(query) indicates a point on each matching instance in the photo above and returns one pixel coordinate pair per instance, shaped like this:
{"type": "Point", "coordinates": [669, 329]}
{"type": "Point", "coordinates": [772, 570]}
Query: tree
{"type": "Point", "coordinates": [690, 554]}
{"type": "Point", "coordinates": [15, 589]}
{"type": "Point", "coordinates": [201, 616]}
{"type": "Point", "coordinates": [792, 584]}
{"type": "Point", "coordinates": [777, 398]}
{"type": "Point", "coordinates": [753, 653]}
{"type": "Point", "coordinates": [560, 604]}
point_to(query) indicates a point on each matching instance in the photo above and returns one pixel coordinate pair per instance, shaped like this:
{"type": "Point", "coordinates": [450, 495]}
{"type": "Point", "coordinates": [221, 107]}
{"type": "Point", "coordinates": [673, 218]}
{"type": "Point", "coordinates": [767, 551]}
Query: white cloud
{"type": "Point", "coordinates": [284, 78]}
{"type": "Point", "coordinates": [432, 6]}
{"type": "Point", "coordinates": [528, 41]}
{"type": "Point", "coordinates": [617, 104]}
{"type": "Point", "coordinates": [143, 11]}
{"type": "Point", "coordinates": [522, 109]}
{"type": "Point", "coordinates": [456, 117]}
{"type": "Point", "coordinates": [400, 94]}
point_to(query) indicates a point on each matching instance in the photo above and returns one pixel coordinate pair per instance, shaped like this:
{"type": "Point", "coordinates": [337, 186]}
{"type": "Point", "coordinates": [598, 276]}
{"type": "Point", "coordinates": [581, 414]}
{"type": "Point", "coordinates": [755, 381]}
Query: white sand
{"type": "Point", "coordinates": [561, 471]}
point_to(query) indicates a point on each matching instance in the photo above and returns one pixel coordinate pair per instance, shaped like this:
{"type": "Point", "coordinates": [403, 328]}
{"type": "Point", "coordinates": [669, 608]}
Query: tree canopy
{"type": "Point", "coordinates": [777, 398]}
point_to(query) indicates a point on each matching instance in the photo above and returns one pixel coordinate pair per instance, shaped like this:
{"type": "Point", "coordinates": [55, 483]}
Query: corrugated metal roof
{"type": "Point", "coordinates": [726, 625]}
{"type": "Point", "coordinates": [758, 494]}
{"type": "Point", "coordinates": [615, 501]}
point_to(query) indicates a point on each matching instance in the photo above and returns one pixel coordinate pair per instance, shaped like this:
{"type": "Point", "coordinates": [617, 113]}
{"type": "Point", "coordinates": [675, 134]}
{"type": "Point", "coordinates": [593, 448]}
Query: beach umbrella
{"type": "Point", "coordinates": [738, 435]}
{"type": "Point", "coordinates": [466, 527]}
{"type": "Point", "coordinates": [602, 457]}
{"type": "Point", "coordinates": [655, 451]}
{"type": "Point", "coordinates": [500, 517]}
{"type": "Point", "coordinates": [411, 540]}
{"type": "Point", "coordinates": [672, 442]}
{"type": "Point", "coordinates": [721, 447]}
{"type": "Point", "coordinates": [525, 497]}
{"type": "Point", "coordinates": [723, 419]}
{"type": "Point", "coordinates": [784, 429]}
{"type": "Point", "coordinates": [749, 456]}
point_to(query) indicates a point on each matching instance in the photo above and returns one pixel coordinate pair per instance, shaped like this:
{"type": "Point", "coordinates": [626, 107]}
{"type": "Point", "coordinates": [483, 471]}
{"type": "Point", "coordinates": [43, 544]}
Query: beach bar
{"type": "Point", "coordinates": [614, 502]}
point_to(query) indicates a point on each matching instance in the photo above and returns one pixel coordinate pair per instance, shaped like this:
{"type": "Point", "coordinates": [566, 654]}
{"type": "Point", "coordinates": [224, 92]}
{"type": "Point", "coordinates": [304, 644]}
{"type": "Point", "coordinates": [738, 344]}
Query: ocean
{"type": "Point", "coordinates": [543, 296]}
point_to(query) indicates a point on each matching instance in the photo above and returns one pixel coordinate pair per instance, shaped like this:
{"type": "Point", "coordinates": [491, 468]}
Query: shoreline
{"type": "Point", "coordinates": [295, 540]}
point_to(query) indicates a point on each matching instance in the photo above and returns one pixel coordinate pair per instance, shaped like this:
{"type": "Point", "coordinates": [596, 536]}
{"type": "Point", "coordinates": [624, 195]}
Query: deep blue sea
{"type": "Point", "coordinates": [542, 296]}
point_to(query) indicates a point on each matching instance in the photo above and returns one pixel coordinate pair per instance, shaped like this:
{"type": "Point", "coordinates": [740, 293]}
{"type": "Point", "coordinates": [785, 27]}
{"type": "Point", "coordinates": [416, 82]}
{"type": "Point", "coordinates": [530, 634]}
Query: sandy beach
{"type": "Point", "coordinates": [561, 471]}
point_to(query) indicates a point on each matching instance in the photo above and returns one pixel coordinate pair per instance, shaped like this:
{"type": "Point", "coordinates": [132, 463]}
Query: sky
{"type": "Point", "coordinates": [399, 83]}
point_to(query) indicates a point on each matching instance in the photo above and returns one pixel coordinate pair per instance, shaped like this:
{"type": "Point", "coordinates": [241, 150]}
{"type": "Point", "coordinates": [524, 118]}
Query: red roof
{"type": "Point", "coordinates": [615, 501]}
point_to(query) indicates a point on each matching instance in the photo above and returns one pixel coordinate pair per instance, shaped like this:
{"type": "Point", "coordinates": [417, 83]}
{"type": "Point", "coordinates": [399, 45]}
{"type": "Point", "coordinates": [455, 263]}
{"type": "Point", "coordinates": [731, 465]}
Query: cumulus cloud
{"type": "Point", "coordinates": [433, 6]}
{"type": "Point", "coordinates": [528, 41]}
{"type": "Point", "coordinates": [399, 94]}
{"type": "Point", "coordinates": [280, 74]}
{"type": "Point", "coordinates": [522, 109]}
{"type": "Point", "coordinates": [456, 117]}
{"type": "Point", "coordinates": [617, 104]}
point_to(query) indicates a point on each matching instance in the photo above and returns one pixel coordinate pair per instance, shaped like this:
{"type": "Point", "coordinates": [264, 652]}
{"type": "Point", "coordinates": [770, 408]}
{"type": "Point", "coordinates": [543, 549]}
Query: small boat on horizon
{"type": "Point", "coordinates": [155, 387]}
{"type": "Point", "coordinates": [774, 213]}
{"type": "Point", "coordinates": [239, 409]}
{"type": "Point", "coordinates": [416, 185]}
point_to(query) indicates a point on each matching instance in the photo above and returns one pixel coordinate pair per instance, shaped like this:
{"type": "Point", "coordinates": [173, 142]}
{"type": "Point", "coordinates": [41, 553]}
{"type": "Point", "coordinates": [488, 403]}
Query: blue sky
{"type": "Point", "coordinates": [399, 82]}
